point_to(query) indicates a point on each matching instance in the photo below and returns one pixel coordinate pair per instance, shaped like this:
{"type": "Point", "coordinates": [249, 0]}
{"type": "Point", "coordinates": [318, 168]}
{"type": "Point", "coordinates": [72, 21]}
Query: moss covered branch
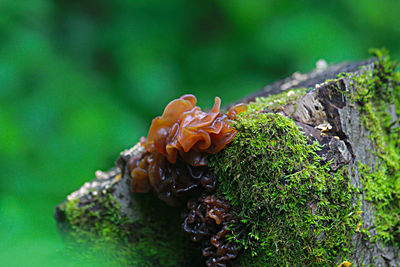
{"type": "Point", "coordinates": [312, 178]}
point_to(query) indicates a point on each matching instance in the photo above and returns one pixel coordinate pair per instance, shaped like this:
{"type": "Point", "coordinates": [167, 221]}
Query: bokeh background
{"type": "Point", "coordinates": [80, 80]}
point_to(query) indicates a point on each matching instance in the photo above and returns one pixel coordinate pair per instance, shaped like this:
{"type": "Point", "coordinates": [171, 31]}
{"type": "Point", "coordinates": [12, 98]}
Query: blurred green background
{"type": "Point", "coordinates": [81, 80]}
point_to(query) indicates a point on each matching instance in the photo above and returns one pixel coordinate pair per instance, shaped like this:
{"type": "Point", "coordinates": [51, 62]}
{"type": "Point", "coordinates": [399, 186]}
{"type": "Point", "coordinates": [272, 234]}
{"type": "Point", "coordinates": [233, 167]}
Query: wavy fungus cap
{"type": "Point", "coordinates": [185, 128]}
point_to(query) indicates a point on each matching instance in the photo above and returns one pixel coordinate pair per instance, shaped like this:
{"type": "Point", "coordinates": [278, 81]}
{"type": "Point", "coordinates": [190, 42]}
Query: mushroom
{"type": "Point", "coordinates": [184, 132]}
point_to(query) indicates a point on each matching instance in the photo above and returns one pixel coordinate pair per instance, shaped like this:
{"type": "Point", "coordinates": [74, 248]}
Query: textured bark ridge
{"type": "Point", "coordinates": [323, 113]}
{"type": "Point", "coordinates": [325, 105]}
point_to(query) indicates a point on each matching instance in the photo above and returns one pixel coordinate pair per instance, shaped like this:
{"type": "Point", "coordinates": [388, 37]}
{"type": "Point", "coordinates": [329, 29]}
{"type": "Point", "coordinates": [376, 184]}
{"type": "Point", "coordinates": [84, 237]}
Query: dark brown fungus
{"type": "Point", "coordinates": [217, 209]}
{"type": "Point", "coordinates": [173, 165]}
{"type": "Point", "coordinates": [220, 251]}
{"type": "Point", "coordinates": [186, 130]}
{"type": "Point", "coordinates": [194, 223]}
{"type": "Point", "coordinates": [206, 221]}
{"type": "Point", "coordinates": [169, 181]}
{"type": "Point", "coordinates": [137, 167]}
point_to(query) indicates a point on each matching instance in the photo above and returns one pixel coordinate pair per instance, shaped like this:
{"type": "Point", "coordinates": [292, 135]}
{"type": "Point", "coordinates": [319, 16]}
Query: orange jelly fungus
{"type": "Point", "coordinates": [184, 130]}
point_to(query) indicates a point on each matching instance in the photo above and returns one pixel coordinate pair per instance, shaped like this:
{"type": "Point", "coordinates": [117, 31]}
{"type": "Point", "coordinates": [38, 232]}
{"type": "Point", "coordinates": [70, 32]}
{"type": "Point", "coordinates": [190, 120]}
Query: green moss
{"type": "Point", "coordinates": [101, 234]}
{"type": "Point", "coordinates": [96, 229]}
{"type": "Point", "coordinates": [375, 91]}
{"type": "Point", "coordinates": [160, 238]}
{"type": "Point", "coordinates": [275, 102]}
{"type": "Point", "coordinates": [291, 209]}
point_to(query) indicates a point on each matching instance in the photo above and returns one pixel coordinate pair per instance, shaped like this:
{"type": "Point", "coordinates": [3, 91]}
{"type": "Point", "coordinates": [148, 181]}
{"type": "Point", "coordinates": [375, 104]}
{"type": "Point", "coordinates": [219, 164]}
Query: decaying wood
{"type": "Point", "coordinates": [346, 143]}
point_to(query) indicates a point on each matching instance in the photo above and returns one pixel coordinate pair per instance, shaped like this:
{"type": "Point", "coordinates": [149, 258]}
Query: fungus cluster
{"type": "Point", "coordinates": [170, 181]}
{"type": "Point", "coordinates": [206, 220]}
{"type": "Point", "coordinates": [184, 130]}
{"type": "Point", "coordinates": [174, 166]}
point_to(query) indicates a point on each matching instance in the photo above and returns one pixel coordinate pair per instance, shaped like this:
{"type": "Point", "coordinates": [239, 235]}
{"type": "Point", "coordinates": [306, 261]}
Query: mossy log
{"type": "Point", "coordinates": [340, 205]}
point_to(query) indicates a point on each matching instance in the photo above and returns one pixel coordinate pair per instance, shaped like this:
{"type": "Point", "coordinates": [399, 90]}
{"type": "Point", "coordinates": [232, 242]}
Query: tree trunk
{"type": "Point", "coordinates": [106, 208]}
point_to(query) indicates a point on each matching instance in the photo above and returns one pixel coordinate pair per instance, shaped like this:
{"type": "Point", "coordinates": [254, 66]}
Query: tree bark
{"type": "Point", "coordinates": [347, 144]}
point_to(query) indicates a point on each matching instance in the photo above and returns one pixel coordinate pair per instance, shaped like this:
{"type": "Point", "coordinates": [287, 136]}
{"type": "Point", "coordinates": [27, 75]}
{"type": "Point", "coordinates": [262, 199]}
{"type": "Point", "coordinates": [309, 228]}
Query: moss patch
{"type": "Point", "coordinates": [375, 93]}
{"type": "Point", "coordinates": [101, 234]}
{"type": "Point", "coordinates": [96, 229]}
{"type": "Point", "coordinates": [291, 209]}
{"type": "Point", "coordinates": [275, 102]}
{"type": "Point", "coordinates": [160, 238]}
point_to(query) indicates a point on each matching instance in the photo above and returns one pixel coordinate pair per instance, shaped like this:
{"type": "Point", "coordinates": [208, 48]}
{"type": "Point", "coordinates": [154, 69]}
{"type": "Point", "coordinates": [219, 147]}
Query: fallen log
{"type": "Point", "coordinates": [312, 178]}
